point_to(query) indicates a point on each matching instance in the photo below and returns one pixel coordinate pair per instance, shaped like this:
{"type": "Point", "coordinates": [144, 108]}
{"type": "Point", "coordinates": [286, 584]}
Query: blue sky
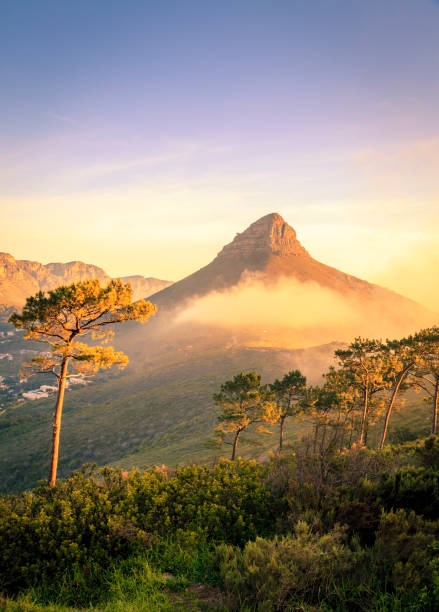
{"type": "Point", "coordinates": [142, 135]}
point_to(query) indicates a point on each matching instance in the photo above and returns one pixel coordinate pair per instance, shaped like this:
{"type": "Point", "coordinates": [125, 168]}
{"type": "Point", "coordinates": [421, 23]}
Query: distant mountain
{"type": "Point", "coordinates": [269, 251]}
{"type": "Point", "coordinates": [143, 286]}
{"type": "Point", "coordinates": [21, 278]}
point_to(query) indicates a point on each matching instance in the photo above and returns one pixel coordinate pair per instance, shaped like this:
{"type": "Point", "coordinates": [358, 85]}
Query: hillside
{"type": "Point", "coordinates": [159, 411]}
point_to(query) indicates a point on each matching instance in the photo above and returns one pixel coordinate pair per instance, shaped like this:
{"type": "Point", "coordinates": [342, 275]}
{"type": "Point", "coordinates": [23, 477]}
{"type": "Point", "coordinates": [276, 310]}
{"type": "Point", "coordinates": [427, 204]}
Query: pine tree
{"type": "Point", "coordinates": [60, 319]}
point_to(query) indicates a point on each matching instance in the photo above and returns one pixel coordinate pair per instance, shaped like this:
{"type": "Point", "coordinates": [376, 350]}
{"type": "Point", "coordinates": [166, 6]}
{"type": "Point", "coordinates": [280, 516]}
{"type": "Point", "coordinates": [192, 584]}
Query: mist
{"type": "Point", "coordinates": [291, 314]}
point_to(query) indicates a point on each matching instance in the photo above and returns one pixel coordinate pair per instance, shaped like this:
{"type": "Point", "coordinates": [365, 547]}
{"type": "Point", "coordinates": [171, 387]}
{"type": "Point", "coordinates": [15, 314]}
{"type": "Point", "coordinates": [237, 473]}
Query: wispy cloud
{"type": "Point", "coordinates": [417, 150]}
{"type": "Point", "coordinates": [63, 118]}
{"type": "Point", "coordinates": [175, 154]}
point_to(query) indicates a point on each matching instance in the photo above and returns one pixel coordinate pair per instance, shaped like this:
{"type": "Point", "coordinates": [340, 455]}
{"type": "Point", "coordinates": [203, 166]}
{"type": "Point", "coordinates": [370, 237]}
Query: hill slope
{"type": "Point", "coordinates": [159, 411]}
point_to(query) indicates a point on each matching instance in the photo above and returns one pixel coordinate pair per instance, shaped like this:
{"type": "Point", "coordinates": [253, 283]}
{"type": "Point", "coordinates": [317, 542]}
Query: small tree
{"type": "Point", "coordinates": [425, 376]}
{"type": "Point", "coordinates": [289, 392]}
{"type": "Point", "coordinates": [66, 314]}
{"type": "Point", "coordinates": [330, 406]}
{"type": "Point", "coordinates": [318, 403]}
{"type": "Point", "coordinates": [408, 352]}
{"type": "Point", "coordinates": [368, 365]}
{"type": "Point", "coordinates": [243, 402]}
{"type": "Point", "coordinates": [340, 394]}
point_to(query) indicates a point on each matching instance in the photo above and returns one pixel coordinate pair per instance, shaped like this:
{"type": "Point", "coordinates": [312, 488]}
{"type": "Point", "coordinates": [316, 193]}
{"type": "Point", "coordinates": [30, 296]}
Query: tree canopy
{"type": "Point", "coordinates": [243, 402]}
{"type": "Point", "coordinates": [289, 393]}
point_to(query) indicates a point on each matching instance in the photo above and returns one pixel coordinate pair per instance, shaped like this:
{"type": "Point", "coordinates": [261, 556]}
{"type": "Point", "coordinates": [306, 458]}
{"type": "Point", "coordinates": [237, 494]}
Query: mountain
{"type": "Point", "coordinates": [21, 278]}
{"type": "Point", "coordinates": [269, 251]}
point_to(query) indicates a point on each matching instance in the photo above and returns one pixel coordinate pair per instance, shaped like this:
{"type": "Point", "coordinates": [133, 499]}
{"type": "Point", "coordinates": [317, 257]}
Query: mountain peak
{"type": "Point", "coordinates": [268, 235]}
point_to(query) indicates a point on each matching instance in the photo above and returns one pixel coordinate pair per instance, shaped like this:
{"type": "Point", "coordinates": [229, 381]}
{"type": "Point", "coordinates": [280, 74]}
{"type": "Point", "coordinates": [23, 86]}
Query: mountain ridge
{"type": "Point", "coordinates": [21, 278]}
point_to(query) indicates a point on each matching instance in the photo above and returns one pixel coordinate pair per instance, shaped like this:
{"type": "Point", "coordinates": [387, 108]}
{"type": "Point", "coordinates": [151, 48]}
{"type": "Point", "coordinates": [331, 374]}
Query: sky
{"type": "Point", "coordinates": [142, 135]}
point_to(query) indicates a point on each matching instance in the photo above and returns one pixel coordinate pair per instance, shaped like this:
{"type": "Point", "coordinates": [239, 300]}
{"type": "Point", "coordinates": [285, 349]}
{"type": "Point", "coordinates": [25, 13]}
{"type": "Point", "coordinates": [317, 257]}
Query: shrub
{"type": "Point", "coordinates": [94, 518]}
{"type": "Point", "coordinates": [55, 529]}
{"type": "Point", "coordinates": [328, 488]}
{"type": "Point", "coordinates": [405, 551]}
{"type": "Point", "coordinates": [283, 572]}
{"type": "Point", "coordinates": [412, 488]}
{"type": "Point", "coordinates": [228, 502]}
{"type": "Point", "coordinates": [427, 452]}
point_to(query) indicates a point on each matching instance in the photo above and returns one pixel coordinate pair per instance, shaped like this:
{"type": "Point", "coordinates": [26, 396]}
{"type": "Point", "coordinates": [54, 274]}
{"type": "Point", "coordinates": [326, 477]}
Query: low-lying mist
{"type": "Point", "coordinates": [291, 314]}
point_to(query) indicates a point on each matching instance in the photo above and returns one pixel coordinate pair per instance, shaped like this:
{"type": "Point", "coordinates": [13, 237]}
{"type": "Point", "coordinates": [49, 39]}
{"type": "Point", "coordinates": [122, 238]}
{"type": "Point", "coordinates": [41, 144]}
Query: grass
{"type": "Point", "coordinates": [138, 583]}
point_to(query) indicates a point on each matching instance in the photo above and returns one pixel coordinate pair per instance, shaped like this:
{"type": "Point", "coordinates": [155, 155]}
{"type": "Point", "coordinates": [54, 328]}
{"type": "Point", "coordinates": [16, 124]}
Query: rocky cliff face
{"type": "Point", "coordinates": [72, 272]}
{"type": "Point", "coordinates": [269, 235]}
{"type": "Point", "coordinates": [21, 278]}
{"type": "Point", "coordinates": [16, 282]}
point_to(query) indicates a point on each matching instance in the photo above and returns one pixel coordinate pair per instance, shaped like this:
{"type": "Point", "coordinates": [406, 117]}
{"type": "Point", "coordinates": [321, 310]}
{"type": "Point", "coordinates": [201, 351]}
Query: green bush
{"type": "Point", "coordinates": [427, 452]}
{"type": "Point", "coordinates": [228, 503]}
{"type": "Point", "coordinates": [54, 529]}
{"type": "Point", "coordinates": [283, 572]}
{"type": "Point", "coordinates": [269, 533]}
{"type": "Point", "coordinates": [411, 488]}
{"type": "Point", "coordinates": [327, 488]}
{"type": "Point", "coordinates": [93, 518]}
{"type": "Point", "coordinates": [405, 551]}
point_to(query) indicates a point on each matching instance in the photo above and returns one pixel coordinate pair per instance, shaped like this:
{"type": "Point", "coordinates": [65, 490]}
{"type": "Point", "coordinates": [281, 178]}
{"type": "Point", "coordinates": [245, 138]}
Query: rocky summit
{"type": "Point", "coordinates": [269, 235]}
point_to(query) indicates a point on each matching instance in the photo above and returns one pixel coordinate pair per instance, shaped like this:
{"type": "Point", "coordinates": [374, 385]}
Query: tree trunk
{"type": "Point", "coordinates": [316, 433]}
{"type": "Point", "coordinates": [344, 430]}
{"type": "Point", "coordinates": [57, 422]}
{"type": "Point", "coordinates": [366, 431]}
{"type": "Point", "coordinates": [361, 441]}
{"type": "Point", "coordinates": [235, 444]}
{"type": "Point", "coordinates": [435, 406]}
{"type": "Point", "coordinates": [281, 433]}
{"type": "Point", "coordinates": [400, 378]}
{"type": "Point", "coordinates": [322, 443]}
{"type": "Point", "coordinates": [351, 433]}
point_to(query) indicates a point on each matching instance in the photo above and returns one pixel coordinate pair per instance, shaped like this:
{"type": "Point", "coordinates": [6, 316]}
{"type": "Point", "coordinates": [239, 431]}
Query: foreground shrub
{"type": "Point", "coordinates": [93, 518]}
{"type": "Point", "coordinates": [283, 572]}
{"type": "Point", "coordinates": [405, 551]}
{"type": "Point", "coordinates": [427, 452]}
{"type": "Point", "coordinates": [327, 488]}
{"type": "Point", "coordinates": [412, 488]}
{"type": "Point", "coordinates": [55, 529]}
{"type": "Point", "coordinates": [228, 503]}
